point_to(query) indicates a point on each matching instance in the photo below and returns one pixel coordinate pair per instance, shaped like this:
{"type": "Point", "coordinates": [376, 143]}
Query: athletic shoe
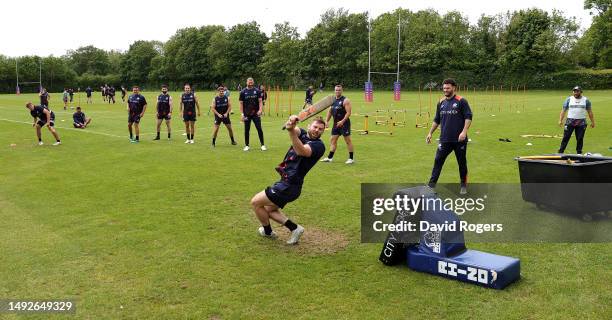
{"type": "Point", "coordinates": [234, 143]}
{"type": "Point", "coordinates": [262, 233]}
{"type": "Point", "coordinates": [187, 141]}
{"type": "Point", "coordinates": [263, 148]}
{"type": "Point", "coordinates": [326, 159]}
{"type": "Point", "coordinates": [134, 141]}
{"type": "Point", "coordinates": [184, 134]}
{"type": "Point", "coordinates": [463, 189]}
{"type": "Point", "coordinates": [246, 148]}
{"type": "Point", "coordinates": [295, 235]}
{"type": "Point", "coordinates": [57, 143]}
{"type": "Point", "coordinates": [156, 138]}
{"type": "Point", "coordinates": [350, 161]}
{"type": "Point", "coordinates": [40, 143]}
{"type": "Point", "coordinates": [191, 141]}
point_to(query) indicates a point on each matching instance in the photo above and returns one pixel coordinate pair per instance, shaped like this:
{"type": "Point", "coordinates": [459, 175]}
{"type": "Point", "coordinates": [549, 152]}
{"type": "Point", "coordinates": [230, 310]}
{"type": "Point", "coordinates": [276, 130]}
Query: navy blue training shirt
{"type": "Point", "coordinates": [250, 99]}
{"type": "Point", "coordinates": [136, 103]}
{"type": "Point", "coordinates": [78, 117]}
{"type": "Point", "coordinates": [163, 104]}
{"type": "Point", "coordinates": [44, 99]}
{"type": "Point", "coordinates": [294, 168]}
{"type": "Point", "coordinates": [188, 100]}
{"type": "Point", "coordinates": [451, 115]}
{"type": "Point", "coordinates": [39, 112]}
{"type": "Point", "coordinates": [221, 104]}
{"type": "Point", "coordinates": [337, 109]}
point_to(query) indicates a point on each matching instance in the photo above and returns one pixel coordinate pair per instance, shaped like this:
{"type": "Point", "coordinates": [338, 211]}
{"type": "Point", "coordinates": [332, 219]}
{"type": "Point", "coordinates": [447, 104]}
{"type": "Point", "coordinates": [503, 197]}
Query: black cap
{"type": "Point", "coordinates": [577, 88]}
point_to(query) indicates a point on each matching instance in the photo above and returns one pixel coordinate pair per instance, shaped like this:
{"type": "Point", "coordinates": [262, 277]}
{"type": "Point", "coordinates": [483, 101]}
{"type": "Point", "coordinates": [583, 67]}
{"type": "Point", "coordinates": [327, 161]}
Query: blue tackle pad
{"type": "Point", "coordinates": [472, 266]}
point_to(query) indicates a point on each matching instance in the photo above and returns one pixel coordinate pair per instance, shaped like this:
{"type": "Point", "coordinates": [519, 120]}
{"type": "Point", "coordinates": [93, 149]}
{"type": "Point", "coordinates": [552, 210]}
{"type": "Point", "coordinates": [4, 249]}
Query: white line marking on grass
{"type": "Point", "coordinates": [66, 128]}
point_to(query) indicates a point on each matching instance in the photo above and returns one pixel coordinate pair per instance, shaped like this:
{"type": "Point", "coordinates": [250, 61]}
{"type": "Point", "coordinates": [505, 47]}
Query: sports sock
{"type": "Point", "coordinates": [290, 225]}
{"type": "Point", "coordinates": [330, 155]}
{"type": "Point", "coordinates": [168, 135]}
{"type": "Point", "coordinates": [268, 229]}
{"type": "Point", "coordinates": [137, 138]}
{"type": "Point", "coordinates": [351, 155]}
{"type": "Point", "coordinates": [158, 134]}
{"type": "Point", "coordinates": [214, 140]}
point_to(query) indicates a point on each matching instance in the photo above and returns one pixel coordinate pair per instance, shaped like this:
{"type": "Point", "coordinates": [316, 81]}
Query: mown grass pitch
{"type": "Point", "coordinates": [164, 230]}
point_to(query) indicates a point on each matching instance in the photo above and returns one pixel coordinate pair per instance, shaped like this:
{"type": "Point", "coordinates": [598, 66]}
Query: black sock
{"type": "Point", "coordinates": [214, 139]}
{"type": "Point", "coordinates": [192, 136]}
{"type": "Point", "coordinates": [290, 225]}
{"type": "Point", "coordinates": [351, 155]}
{"type": "Point", "coordinates": [39, 139]}
{"type": "Point", "coordinates": [131, 136]}
{"type": "Point", "coordinates": [232, 137]}
{"type": "Point", "coordinates": [268, 229]}
{"type": "Point", "coordinates": [330, 155]}
{"type": "Point", "coordinates": [168, 135]}
{"type": "Point", "coordinates": [157, 134]}
{"type": "Point", "coordinates": [57, 140]}
{"type": "Point", "coordinates": [189, 136]}
{"type": "Point", "coordinates": [137, 138]}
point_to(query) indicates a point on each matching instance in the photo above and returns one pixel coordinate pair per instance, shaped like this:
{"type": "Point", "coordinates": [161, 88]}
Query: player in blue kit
{"type": "Point", "coordinates": [79, 119]}
{"type": "Point", "coordinates": [136, 106]}
{"type": "Point", "coordinates": [43, 116]}
{"type": "Point", "coordinates": [164, 110]}
{"type": "Point", "coordinates": [189, 102]}
{"type": "Point", "coordinates": [44, 98]}
{"type": "Point", "coordinates": [454, 117]}
{"type": "Point", "coordinates": [251, 108]}
{"type": "Point", "coordinates": [222, 108]}
{"type": "Point", "coordinates": [306, 149]}
{"type": "Point", "coordinates": [310, 92]}
{"type": "Point", "coordinates": [88, 92]}
{"type": "Point", "coordinates": [341, 112]}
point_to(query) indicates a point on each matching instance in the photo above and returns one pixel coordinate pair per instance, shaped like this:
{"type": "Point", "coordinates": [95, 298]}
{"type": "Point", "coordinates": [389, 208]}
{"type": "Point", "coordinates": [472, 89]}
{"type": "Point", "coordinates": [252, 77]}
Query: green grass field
{"type": "Point", "coordinates": [164, 230]}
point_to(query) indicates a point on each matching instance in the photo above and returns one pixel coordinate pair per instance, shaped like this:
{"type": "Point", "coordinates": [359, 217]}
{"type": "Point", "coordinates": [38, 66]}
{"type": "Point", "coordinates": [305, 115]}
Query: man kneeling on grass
{"type": "Point", "coordinates": [80, 121]}
{"type": "Point", "coordinates": [306, 149]}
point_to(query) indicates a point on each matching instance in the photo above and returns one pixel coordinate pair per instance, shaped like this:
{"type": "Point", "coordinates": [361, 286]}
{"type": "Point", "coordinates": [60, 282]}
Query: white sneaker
{"type": "Point", "coordinates": [187, 141]}
{"type": "Point", "coordinates": [263, 148]}
{"type": "Point", "coordinates": [246, 148]}
{"type": "Point", "coordinates": [326, 159]}
{"type": "Point", "coordinates": [350, 161]}
{"type": "Point", "coordinates": [184, 134]}
{"type": "Point", "coordinates": [191, 141]}
{"type": "Point", "coordinates": [295, 235]}
{"type": "Point", "coordinates": [262, 233]}
{"type": "Point", "coordinates": [57, 143]}
{"type": "Point", "coordinates": [40, 143]}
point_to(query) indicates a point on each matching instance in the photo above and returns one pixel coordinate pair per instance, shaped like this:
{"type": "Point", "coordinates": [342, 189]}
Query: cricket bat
{"type": "Point", "coordinates": [315, 109]}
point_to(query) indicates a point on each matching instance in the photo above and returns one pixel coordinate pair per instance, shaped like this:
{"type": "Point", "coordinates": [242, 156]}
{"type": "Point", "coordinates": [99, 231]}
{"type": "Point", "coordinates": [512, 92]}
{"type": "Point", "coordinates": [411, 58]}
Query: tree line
{"type": "Point", "coordinates": [531, 46]}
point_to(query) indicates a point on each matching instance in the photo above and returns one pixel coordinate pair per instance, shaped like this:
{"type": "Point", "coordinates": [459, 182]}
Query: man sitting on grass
{"type": "Point", "coordinates": [80, 121]}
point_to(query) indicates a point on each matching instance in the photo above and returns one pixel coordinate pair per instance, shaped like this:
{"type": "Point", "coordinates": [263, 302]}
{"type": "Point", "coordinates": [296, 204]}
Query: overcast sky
{"type": "Point", "coordinates": [37, 27]}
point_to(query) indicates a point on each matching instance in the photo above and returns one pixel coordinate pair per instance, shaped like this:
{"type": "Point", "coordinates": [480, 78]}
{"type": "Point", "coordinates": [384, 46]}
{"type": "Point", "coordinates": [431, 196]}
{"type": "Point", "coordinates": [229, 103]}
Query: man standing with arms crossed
{"type": "Point", "coordinates": [341, 111]}
{"type": "Point", "coordinates": [576, 107]}
{"type": "Point", "coordinates": [251, 108]}
{"type": "Point", "coordinates": [306, 149]}
{"type": "Point", "coordinates": [189, 102]}
{"type": "Point", "coordinates": [164, 110]}
{"type": "Point", "coordinates": [454, 117]}
{"type": "Point", "coordinates": [136, 106]}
